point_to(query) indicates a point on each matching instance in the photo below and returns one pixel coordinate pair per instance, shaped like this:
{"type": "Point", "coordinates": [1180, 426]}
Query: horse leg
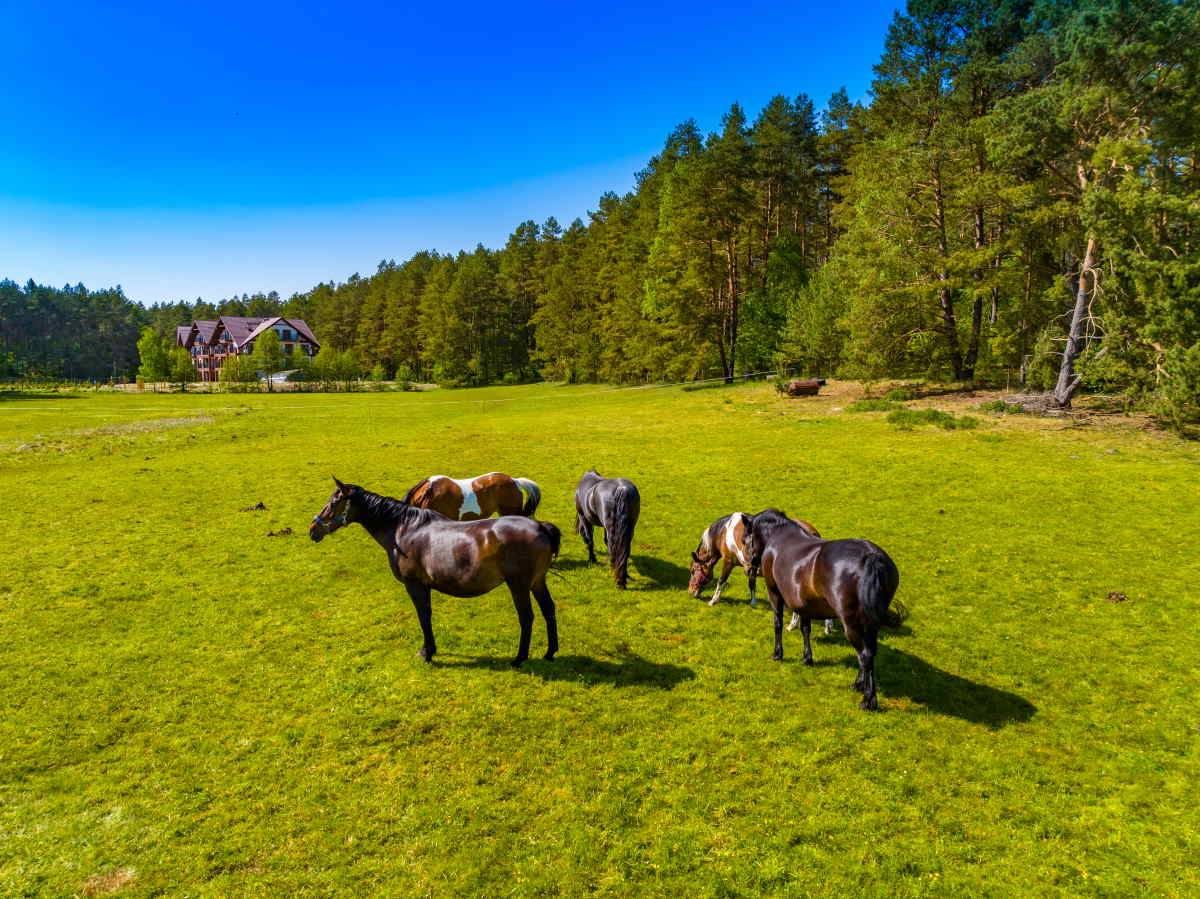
{"type": "Point", "coordinates": [867, 661]}
{"type": "Point", "coordinates": [726, 568]}
{"type": "Point", "coordinates": [422, 602]}
{"type": "Point", "coordinates": [583, 527]}
{"type": "Point", "coordinates": [795, 622]}
{"type": "Point", "coordinates": [546, 605]}
{"type": "Point", "coordinates": [520, 595]}
{"type": "Point", "coordinates": [753, 576]}
{"type": "Point", "coordinates": [806, 632]}
{"type": "Point", "coordinates": [828, 627]}
{"type": "Point", "coordinates": [777, 606]}
{"type": "Point", "coordinates": [856, 640]}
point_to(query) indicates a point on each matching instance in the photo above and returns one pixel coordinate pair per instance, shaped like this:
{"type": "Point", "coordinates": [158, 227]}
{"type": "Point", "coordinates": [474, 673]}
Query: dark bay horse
{"type": "Point", "coordinates": [722, 542]}
{"type": "Point", "coordinates": [853, 580]}
{"type": "Point", "coordinates": [470, 499]}
{"type": "Point", "coordinates": [612, 504]}
{"type": "Point", "coordinates": [429, 552]}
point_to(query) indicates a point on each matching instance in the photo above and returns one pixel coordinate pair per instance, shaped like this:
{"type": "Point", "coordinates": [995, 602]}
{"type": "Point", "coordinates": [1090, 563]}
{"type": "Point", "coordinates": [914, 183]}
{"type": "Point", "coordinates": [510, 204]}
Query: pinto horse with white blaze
{"type": "Point", "coordinates": [469, 499]}
{"type": "Point", "coordinates": [613, 504]}
{"type": "Point", "coordinates": [428, 551]}
{"type": "Point", "coordinates": [853, 580]}
{"type": "Point", "coordinates": [723, 542]}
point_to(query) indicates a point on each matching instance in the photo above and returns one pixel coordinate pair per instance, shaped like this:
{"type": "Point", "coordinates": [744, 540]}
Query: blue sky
{"type": "Point", "coordinates": [186, 150]}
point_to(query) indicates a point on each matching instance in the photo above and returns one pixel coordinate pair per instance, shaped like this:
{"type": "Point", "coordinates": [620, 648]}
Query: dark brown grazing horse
{"type": "Point", "coordinates": [429, 552]}
{"type": "Point", "coordinates": [853, 580]}
{"type": "Point", "coordinates": [722, 542]}
{"type": "Point", "coordinates": [470, 499]}
{"type": "Point", "coordinates": [613, 504]}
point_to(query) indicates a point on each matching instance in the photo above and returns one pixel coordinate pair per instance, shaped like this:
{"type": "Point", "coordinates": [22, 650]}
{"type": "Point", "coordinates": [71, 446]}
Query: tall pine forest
{"type": "Point", "coordinates": [1018, 203]}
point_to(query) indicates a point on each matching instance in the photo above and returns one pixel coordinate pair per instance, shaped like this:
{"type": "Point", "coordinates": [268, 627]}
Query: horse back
{"type": "Point", "coordinates": [468, 558]}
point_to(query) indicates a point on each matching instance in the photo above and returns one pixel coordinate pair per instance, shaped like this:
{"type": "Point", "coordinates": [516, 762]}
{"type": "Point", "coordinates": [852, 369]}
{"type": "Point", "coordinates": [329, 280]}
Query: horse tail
{"type": "Point", "coordinates": [618, 530]}
{"type": "Point", "coordinates": [876, 588]}
{"type": "Point", "coordinates": [531, 494]}
{"type": "Point", "coordinates": [552, 533]}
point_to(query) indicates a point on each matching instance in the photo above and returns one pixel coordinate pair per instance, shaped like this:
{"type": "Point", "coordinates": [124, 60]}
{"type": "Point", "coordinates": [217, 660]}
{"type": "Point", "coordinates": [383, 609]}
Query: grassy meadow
{"type": "Point", "coordinates": [195, 707]}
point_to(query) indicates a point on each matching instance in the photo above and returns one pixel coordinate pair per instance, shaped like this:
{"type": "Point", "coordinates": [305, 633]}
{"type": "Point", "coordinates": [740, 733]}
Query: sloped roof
{"type": "Point", "coordinates": [205, 329]}
{"type": "Point", "coordinates": [239, 328]}
{"type": "Point", "coordinates": [300, 325]}
{"type": "Point", "coordinates": [296, 323]}
{"type": "Point", "coordinates": [182, 333]}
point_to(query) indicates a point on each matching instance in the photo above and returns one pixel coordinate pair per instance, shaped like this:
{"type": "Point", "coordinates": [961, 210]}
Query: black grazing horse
{"type": "Point", "coordinates": [613, 504]}
{"type": "Point", "coordinates": [853, 580]}
{"type": "Point", "coordinates": [428, 551]}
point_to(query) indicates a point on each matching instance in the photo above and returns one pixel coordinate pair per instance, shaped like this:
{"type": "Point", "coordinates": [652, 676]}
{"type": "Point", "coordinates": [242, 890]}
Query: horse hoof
{"type": "Point", "coordinates": [778, 657]}
{"type": "Point", "coordinates": [714, 601]}
{"type": "Point", "coordinates": [425, 654]}
{"type": "Point", "coordinates": [809, 661]}
{"type": "Point", "coordinates": [517, 663]}
{"type": "Point", "coordinates": [549, 656]}
{"type": "Point", "coordinates": [869, 705]}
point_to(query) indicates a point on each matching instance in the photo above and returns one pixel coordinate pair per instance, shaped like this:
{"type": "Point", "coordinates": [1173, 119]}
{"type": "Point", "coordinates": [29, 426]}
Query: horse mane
{"type": "Point", "coordinates": [768, 521]}
{"type": "Point", "coordinates": [706, 538]}
{"type": "Point", "coordinates": [387, 510]}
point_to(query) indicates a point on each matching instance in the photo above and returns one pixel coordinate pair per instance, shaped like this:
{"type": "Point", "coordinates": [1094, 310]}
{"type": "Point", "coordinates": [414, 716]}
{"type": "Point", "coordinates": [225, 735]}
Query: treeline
{"type": "Point", "coordinates": [68, 332]}
{"type": "Point", "coordinates": [1017, 203]}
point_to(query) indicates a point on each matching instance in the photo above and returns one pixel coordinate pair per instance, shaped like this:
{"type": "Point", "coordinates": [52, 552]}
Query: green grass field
{"type": "Point", "coordinates": [194, 707]}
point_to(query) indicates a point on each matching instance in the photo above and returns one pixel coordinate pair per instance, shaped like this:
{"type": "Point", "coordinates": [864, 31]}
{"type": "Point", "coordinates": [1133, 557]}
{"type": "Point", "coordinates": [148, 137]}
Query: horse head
{"type": "Point", "coordinates": [335, 514]}
{"type": "Point", "coordinates": [702, 572]}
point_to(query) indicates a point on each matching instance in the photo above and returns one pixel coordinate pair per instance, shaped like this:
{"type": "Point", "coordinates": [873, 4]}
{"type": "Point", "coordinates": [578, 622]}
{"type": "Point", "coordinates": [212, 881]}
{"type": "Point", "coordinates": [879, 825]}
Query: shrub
{"type": "Point", "coordinates": [1002, 408]}
{"type": "Point", "coordinates": [907, 419]}
{"type": "Point", "coordinates": [873, 405]}
{"type": "Point", "coordinates": [900, 395]}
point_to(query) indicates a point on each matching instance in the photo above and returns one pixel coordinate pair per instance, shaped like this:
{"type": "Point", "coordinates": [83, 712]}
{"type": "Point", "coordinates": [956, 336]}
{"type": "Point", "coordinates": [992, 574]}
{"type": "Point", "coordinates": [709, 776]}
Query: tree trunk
{"type": "Point", "coordinates": [973, 345]}
{"type": "Point", "coordinates": [1068, 380]}
{"type": "Point", "coordinates": [950, 328]}
{"type": "Point", "coordinates": [734, 286]}
{"type": "Point", "coordinates": [945, 292]}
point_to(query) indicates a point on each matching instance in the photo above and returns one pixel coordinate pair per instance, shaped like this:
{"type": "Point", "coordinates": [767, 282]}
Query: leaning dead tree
{"type": "Point", "coordinates": [1068, 378]}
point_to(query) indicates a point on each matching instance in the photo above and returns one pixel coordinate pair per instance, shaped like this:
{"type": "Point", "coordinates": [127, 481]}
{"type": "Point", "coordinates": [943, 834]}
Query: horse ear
{"type": "Point", "coordinates": [340, 485]}
{"type": "Point", "coordinates": [747, 521]}
{"type": "Point", "coordinates": [696, 558]}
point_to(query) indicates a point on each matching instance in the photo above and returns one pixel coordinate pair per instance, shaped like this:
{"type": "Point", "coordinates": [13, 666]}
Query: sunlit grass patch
{"type": "Point", "coordinates": [225, 712]}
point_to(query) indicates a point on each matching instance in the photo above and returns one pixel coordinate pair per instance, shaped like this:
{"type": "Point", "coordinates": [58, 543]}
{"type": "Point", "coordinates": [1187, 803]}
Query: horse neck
{"type": "Point", "coordinates": [382, 526]}
{"type": "Point", "coordinates": [767, 533]}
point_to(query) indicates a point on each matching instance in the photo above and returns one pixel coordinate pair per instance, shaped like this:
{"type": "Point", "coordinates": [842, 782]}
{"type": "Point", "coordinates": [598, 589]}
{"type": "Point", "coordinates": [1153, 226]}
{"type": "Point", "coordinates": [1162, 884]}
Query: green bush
{"type": "Point", "coordinates": [900, 395]}
{"type": "Point", "coordinates": [907, 419]}
{"type": "Point", "coordinates": [873, 405]}
{"type": "Point", "coordinates": [1001, 407]}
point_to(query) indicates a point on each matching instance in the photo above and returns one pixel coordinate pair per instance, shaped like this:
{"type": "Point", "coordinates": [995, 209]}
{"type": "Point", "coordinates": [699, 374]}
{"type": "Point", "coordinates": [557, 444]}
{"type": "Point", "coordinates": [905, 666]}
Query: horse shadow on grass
{"type": "Point", "coordinates": [628, 670]}
{"type": "Point", "coordinates": [648, 572]}
{"type": "Point", "coordinates": [901, 673]}
{"type": "Point", "coordinates": [561, 564]}
{"type": "Point", "coordinates": [661, 574]}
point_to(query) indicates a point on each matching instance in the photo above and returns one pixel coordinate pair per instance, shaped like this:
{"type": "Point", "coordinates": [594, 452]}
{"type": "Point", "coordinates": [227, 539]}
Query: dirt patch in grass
{"type": "Point", "coordinates": [107, 884]}
{"type": "Point", "coordinates": [78, 439]}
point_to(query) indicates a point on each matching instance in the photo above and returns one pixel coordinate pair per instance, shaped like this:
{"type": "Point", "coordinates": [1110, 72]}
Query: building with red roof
{"type": "Point", "coordinates": [210, 343]}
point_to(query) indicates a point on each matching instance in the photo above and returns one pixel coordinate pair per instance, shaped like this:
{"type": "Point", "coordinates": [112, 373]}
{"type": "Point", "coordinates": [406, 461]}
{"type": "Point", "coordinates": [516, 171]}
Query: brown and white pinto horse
{"type": "Point", "coordinates": [853, 580]}
{"type": "Point", "coordinates": [723, 542]}
{"type": "Point", "coordinates": [470, 499]}
{"type": "Point", "coordinates": [429, 552]}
